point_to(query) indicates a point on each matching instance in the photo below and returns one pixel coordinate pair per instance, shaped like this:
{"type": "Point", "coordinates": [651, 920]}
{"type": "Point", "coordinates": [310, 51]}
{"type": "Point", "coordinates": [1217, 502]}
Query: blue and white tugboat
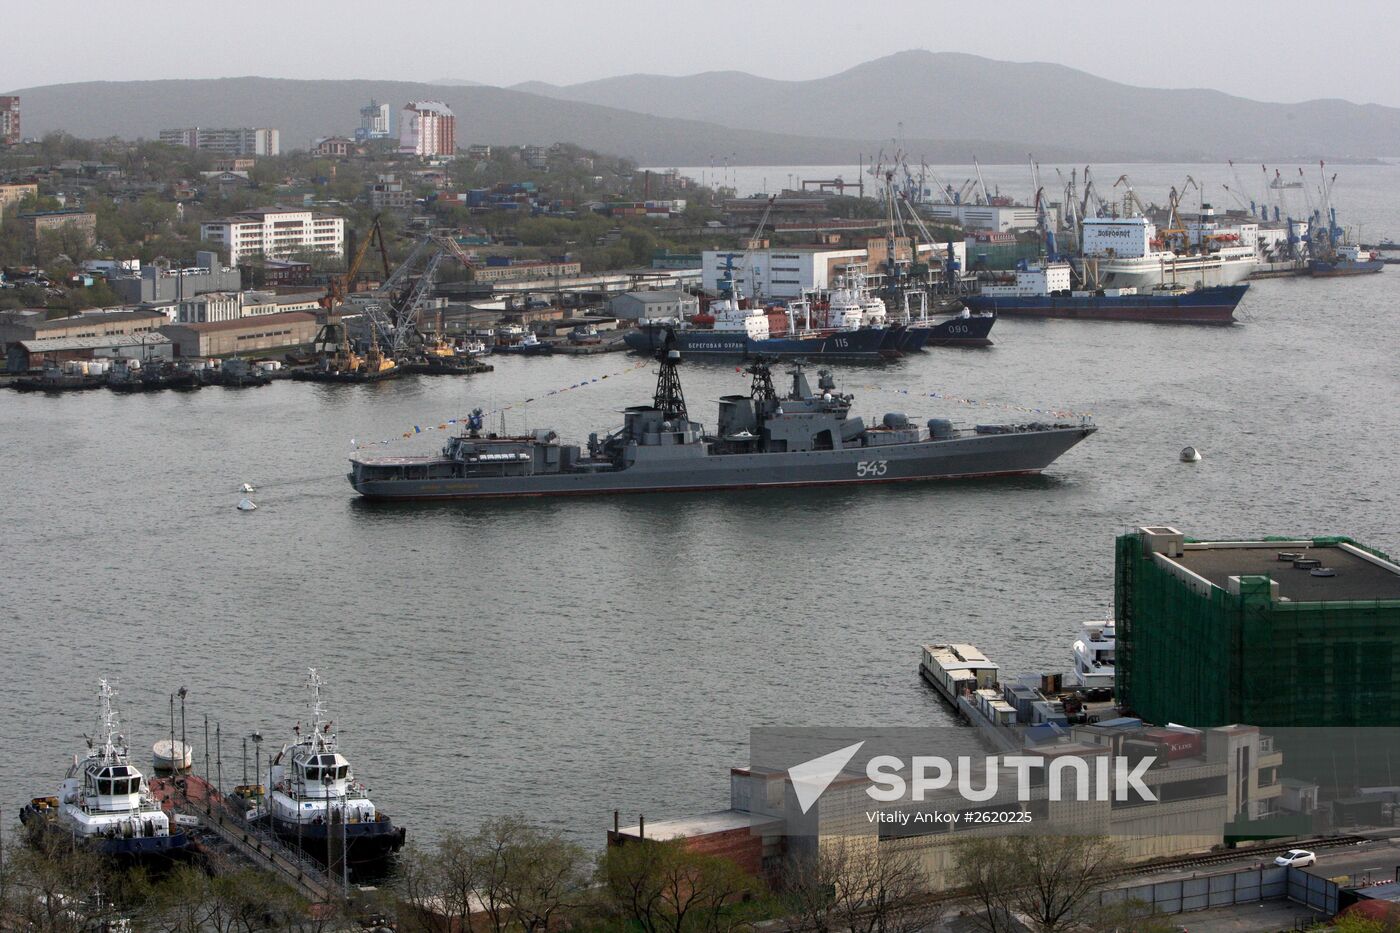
{"type": "Point", "coordinates": [105, 802]}
{"type": "Point", "coordinates": [315, 803]}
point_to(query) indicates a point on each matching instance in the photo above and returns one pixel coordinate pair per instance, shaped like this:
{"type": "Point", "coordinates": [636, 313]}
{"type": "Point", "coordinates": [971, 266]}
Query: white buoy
{"type": "Point", "coordinates": [246, 487]}
{"type": "Point", "coordinates": [246, 505]}
{"type": "Point", "coordinates": [1190, 455]}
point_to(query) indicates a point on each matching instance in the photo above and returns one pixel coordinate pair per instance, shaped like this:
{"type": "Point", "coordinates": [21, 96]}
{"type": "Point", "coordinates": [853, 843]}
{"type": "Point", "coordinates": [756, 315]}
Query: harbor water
{"type": "Point", "coordinates": [562, 658]}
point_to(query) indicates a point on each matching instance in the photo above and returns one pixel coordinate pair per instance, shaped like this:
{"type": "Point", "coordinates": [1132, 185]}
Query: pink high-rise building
{"type": "Point", "coordinates": [427, 128]}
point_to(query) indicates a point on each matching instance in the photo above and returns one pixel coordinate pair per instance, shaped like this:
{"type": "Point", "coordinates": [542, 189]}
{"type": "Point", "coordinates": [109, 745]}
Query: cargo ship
{"type": "Point", "coordinates": [736, 330]}
{"type": "Point", "coordinates": [1346, 259]}
{"type": "Point", "coordinates": [1126, 252]}
{"type": "Point", "coordinates": [1047, 291]}
{"type": "Point", "coordinates": [762, 440]}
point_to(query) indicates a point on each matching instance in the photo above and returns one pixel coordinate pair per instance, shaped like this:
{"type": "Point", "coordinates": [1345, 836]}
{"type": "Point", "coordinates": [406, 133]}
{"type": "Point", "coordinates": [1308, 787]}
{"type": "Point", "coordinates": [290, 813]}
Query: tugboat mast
{"type": "Point", "coordinates": [113, 743]}
{"type": "Point", "coordinates": [320, 729]}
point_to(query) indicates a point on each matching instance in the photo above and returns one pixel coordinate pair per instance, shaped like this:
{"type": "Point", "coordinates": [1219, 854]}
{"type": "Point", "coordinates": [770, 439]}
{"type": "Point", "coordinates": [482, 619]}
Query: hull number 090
{"type": "Point", "coordinates": [866, 468]}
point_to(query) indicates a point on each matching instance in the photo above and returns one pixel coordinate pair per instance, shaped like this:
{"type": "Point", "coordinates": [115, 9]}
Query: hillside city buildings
{"type": "Point", "coordinates": [242, 141]}
{"type": "Point", "coordinates": [275, 234]}
{"type": "Point", "coordinates": [374, 122]}
{"type": "Point", "coordinates": [11, 194]}
{"type": "Point", "coordinates": [9, 121]}
{"type": "Point", "coordinates": [427, 128]}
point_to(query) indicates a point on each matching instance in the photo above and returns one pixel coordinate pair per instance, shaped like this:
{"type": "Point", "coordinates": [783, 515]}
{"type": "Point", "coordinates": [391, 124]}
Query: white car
{"type": "Point", "coordinates": [1296, 858]}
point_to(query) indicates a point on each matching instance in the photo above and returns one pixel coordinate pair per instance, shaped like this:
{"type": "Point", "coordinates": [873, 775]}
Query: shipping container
{"type": "Point", "coordinates": [1135, 750]}
{"type": "Point", "coordinates": [1178, 744]}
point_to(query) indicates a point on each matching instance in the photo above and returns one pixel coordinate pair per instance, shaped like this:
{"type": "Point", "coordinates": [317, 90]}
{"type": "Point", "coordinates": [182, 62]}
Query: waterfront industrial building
{"type": "Point", "coordinates": [157, 283]}
{"type": "Point", "coordinates": [786, 272]}
{"type": "Point", "coordinates": [1273, 631]}
{"type": "Point", "coordinates": [658, 303]}
{"type": "Point", "coordinates": [275, 234]}
{"type": "Point", "coordinates": [243, 335]}
{"type": "Point", "coordinates": [1221, 778]}
{"type": "Point", "coordinates": [28, 337]}
{"type": "Point", "coordinates": [1001, 218]}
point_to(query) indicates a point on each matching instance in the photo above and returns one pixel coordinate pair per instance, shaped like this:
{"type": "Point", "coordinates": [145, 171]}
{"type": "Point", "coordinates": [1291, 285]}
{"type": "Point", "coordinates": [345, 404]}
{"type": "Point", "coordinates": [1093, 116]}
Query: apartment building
{"type": "Point", "coordinates": [275, 234]}
{"type": "Point", "coordinates": [240, 141]}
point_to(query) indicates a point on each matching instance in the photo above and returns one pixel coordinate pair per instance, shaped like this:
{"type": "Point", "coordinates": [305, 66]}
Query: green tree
{"type": "Point", "coordinates": [509, 874]}
{"type": "Point", "coordinates": [1051, 881]}
{"type": "Point", "coordinates": [850, 886]}
{"type": "Point", "coordinates": [666, 887]}
{"type": "Point", "coordinates": [1356, 924]}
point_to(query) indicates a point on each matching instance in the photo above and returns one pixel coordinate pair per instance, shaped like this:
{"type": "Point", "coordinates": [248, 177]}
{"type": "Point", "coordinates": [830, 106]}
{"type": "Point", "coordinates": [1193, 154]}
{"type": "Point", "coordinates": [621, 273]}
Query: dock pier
{"type": "Point", "coordinates": [190, 796]}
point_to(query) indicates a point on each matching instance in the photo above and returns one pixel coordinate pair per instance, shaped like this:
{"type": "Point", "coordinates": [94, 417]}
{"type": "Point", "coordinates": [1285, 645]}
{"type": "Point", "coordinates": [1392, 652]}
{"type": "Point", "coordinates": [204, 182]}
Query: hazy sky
{"type": "Point", "coordinates": [1280, 50]}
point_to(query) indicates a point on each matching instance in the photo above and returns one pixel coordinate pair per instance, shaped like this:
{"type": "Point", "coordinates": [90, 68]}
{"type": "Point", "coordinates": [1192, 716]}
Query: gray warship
{"type": "Point", "coordinates": [763, 439]}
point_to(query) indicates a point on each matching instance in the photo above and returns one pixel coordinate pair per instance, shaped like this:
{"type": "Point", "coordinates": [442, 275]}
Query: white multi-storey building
{"type": "Point", "coordinates": [242, 141]}
{"type": "Point", "coordinates": [275, 234]}
{"type": "Point", "coordinates": [374, 121]}
{"type": "Point", "coordinates": [998, 217]}
{"type": "Point", "coordinates": [788, 272]}
{"type": "Point", "coordinates": [210, 306]}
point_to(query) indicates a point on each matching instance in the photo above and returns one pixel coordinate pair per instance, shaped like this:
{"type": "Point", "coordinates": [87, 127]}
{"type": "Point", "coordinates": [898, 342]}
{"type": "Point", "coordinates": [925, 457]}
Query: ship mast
{"type": "Point", "coordinates": [761, 390]}
{"type": "Point", "coordinates": [320, 728]}
{"type": "Point", "coordinates": [112, 741]}
{"type": "Point", "coordinates": [668, 398]}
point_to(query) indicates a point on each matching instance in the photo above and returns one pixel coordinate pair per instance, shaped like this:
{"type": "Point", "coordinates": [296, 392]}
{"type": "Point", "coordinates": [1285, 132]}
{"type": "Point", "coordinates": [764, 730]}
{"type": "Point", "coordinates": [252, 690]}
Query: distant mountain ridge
{"type": "Point", "coordinates": [954, 95]}
{"type": "Point", "coordinates": [306, 110]}
{"type": "Point", "coordinates": [949, 107]}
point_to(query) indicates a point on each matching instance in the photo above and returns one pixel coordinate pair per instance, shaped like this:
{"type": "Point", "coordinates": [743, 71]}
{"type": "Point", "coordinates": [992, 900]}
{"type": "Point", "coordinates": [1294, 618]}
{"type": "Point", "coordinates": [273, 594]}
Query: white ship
{"type": "Point", "coordinates": [1125, 252]}
{"type": "Point", "coordinates": [105, 802]}
{"type": "Point", "coordinates": [316, 804]}
{"type": "Point", "coordinates": [1093, 653]}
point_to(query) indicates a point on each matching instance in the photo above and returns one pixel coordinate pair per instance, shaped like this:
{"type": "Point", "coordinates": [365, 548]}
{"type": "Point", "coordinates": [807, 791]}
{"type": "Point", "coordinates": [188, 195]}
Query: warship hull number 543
{"type": "Point", "coordinates": [803, 438]}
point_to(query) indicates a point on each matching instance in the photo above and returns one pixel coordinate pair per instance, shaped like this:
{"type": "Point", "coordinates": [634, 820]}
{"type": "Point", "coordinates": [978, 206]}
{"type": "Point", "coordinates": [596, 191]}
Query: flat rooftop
{"type": "Point", "coordinates": [1356, 578]}
{"type": "Point", "coordinates": [720, 821]}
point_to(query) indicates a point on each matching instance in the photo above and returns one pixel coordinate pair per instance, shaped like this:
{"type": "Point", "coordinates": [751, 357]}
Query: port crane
{"type": "Point", "coordinates": [735, 287]}
{"type": "Point", "coordinates": [1069, 219]}
{"type": "Point", "coordinates": [331, 340]}
{"type": "Point", "coordinates": [1042, 219]}
{"type": "Point", "coordinates": [1130, 198]}
{"type": "Point", "coordinates": [1175, 234]}
{"type": "Point", "coordinates": [986, 198]}
{"type": "Point", "coordinates": [1091, 193]}
{"type": "Point", "coordinates": [399, 301]}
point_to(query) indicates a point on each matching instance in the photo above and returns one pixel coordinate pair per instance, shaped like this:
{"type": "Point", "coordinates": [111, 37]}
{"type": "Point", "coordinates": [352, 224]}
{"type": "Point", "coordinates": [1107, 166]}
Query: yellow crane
{"type": "Point", "coordinates": [333, 343]}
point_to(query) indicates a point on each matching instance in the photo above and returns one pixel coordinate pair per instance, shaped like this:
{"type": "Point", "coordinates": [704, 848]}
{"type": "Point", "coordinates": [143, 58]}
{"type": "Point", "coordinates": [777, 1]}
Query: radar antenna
{"type": "Point", "coordinates": [669, 398]}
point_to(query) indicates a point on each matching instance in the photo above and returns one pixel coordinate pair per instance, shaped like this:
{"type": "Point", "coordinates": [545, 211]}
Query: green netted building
{"type": "Point", "coordinates": [1271, 632]}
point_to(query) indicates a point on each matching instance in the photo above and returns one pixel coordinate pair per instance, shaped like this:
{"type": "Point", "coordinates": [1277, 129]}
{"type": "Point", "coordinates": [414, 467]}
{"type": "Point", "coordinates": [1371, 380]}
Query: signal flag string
{"type": "Point", "coordinates": [449, 423]}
